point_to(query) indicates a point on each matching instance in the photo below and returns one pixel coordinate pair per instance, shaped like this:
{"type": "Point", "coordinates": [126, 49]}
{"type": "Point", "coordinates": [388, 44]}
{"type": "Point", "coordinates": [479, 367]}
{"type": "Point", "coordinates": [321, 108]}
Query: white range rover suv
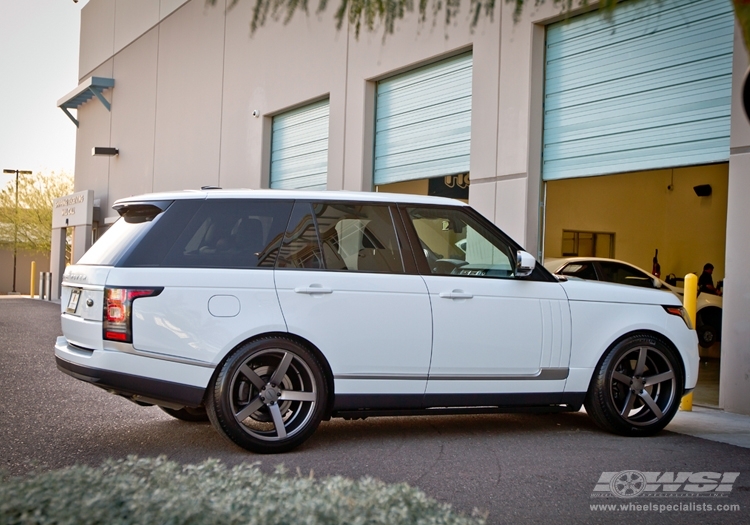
{"type": "Point", "coordinates": [269, 311]}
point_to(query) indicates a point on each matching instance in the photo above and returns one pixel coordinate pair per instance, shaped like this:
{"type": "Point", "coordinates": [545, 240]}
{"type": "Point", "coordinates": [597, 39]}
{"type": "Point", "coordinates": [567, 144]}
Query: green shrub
{"type": "Point", "coordinates": [144, 491]}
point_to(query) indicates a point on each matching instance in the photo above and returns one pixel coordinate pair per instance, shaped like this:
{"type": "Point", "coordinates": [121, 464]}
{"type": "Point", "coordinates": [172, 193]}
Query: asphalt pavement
{"type": "Point", "coordinates": [517, 468]}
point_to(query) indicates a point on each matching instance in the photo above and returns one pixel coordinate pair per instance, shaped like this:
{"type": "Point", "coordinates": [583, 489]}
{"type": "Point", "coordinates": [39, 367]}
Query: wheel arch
{"type": "Point", "coordinates": [709, 312]}
{"type": "Point", "coordinates": [327, 371]}
{"type": "Point", "coordinates": [611, 411]}
{"type": "Point", "coordinates": [652, 333]}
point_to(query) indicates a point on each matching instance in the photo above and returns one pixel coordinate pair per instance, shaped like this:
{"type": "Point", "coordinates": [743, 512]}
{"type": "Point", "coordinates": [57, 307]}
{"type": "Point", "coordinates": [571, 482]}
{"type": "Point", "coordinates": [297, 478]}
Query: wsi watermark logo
{"type": "Point", "coordinates": [634, 483]}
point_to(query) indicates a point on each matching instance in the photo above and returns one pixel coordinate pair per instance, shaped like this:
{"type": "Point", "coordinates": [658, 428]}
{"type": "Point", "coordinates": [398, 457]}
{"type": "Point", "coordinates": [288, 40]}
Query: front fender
{"type": "Point", "coordinates": [595, 326]}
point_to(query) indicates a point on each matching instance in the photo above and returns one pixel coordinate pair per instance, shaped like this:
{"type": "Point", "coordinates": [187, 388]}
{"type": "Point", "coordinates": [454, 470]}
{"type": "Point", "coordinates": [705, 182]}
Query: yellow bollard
{"type": "Point", "coordinates": [689, 301]}
{"type": "Point", "coordinates": [33, 274]}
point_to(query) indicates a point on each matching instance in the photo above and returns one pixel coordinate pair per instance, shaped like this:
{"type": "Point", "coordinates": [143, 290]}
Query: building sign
{"type": "Point", "coordinates": [452, 186]}
{"type": "Point", "coordinates": [76, 209]}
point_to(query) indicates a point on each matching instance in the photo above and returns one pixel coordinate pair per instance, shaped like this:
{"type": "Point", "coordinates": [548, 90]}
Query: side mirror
{"type": "Point", "coordinates": [525, 263]}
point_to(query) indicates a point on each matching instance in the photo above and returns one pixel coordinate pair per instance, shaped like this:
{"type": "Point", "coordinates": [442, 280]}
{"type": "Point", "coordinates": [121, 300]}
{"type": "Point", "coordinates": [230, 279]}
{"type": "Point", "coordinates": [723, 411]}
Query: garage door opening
{"type": "Point", "coordinates": [451, 186]}
{"type": "Point", "coordinates": [631, 215]}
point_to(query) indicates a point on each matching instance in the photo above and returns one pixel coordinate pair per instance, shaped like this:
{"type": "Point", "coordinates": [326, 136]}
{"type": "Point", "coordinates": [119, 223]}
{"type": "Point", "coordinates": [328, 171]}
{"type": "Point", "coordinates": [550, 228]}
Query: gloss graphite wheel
{"type": "Point", "coordinates": [269, 396]}
{"type": "Point", "coordinates": [637, 387]}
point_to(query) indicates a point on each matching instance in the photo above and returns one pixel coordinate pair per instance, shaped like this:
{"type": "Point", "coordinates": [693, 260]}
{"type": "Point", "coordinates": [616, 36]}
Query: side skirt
{"type": "Point", "coordinates": [373, 405]}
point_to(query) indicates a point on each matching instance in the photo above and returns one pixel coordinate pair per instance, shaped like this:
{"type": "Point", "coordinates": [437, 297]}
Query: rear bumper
{"type": "Point", "coordinates": [135, 387]}
{"type": "Point", "coordinates": [119, 372]}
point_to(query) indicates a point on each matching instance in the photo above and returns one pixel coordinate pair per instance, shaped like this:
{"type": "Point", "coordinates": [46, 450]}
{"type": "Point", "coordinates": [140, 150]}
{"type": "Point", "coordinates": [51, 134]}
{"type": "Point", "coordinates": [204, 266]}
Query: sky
{"type": "Point", "coordinates": [38, 66]}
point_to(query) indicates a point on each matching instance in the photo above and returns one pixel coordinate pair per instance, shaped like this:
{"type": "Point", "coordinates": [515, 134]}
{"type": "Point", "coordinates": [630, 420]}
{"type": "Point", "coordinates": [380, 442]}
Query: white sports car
{"type": "Point", "coordinates": [708, 307]}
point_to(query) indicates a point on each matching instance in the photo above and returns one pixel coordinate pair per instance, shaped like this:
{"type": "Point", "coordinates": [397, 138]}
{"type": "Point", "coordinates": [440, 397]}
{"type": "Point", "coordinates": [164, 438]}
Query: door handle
{"type": "Point", "coordinates": [312, 289]}
{"type": "Point", "coordinates": [456, 294]}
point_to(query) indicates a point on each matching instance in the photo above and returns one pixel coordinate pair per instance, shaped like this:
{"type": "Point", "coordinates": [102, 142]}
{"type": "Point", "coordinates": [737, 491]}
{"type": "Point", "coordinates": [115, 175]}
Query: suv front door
{"type": "Point", "coordinates": [492, 332]}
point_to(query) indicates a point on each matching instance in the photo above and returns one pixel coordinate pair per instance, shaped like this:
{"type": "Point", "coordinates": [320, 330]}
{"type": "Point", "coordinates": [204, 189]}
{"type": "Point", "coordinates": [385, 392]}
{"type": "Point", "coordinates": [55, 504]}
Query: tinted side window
{"type": "Point", "coordinates": [621, 274]}
{"type": "Point", "coordinates": [455, 244]}
{"type": "Point", "coordinates": [300, 248]}
{"type": "Point", "coordinates": [358, 237]}
{"type": "Point", "coordinates": [231, 233]}
{"type": "Point", "coordinates": [341, 236]}
{"type": "Point", "coordinates": [582, 270]}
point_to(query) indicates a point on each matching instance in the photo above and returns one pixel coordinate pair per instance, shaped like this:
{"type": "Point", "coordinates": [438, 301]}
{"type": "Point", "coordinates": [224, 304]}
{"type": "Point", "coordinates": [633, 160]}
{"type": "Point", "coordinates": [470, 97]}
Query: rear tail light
{"type": "Point", "coordinates": [680, 311]}
{"type": "Point", "coordinates": [118, 303]}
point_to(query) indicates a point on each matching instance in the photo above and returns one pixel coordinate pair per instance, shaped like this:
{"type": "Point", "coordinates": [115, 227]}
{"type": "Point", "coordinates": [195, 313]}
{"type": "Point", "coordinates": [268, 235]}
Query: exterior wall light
{"type": "Point", "coordinates": [104, 152]}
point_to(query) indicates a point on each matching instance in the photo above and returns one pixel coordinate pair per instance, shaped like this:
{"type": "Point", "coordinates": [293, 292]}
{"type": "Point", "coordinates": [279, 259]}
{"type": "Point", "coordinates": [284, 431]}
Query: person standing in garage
{"type": "Point", "coordinates": [706, 281]}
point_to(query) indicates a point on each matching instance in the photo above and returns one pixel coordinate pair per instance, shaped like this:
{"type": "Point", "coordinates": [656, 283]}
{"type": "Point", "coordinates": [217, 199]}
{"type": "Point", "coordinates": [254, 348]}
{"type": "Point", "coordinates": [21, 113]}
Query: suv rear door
{"type": "Point", "coordinates": [346, 285]}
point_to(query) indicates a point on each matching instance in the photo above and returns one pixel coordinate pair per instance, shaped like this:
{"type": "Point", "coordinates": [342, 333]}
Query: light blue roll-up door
{"type": "Point", "coordinates": [649, 89]}
{"type": "Point", "coordinates": [299, 148]}
{"type": "Point", "coordinates": [423, 122]}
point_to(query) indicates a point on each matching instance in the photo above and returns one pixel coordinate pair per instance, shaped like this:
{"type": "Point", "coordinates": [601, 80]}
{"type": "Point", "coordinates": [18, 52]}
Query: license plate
{"type": "Point", "coordinates": [73, 301]}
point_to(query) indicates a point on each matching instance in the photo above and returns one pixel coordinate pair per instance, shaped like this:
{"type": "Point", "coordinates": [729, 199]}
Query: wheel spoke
{"type": "Point", "coordinates": [649, 381]}
{"type": "Point", "coordinates": [641, 366]}
{"type": "Point", "coordinates": [622, 378]}
{"type": "Point", "coordinates": [293, 395]}
{"type": "Point", "coordinates": [629, 402]}
{"type": "Point", "coordinates": [651, 404]}
{"type": "Point", "coordinates": [268, 395]}
{"type": "Point", "coordinates": [252, 376]}
{"type": "Point", "coordinates": [253, 407]}
{"type": "Point", "coordinates": [278, 422]}
{"type": "Point", "coordinates": [280, 372]}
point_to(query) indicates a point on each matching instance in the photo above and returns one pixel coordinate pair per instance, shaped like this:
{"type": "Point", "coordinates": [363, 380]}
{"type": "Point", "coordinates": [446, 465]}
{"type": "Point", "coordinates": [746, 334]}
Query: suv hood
{"type": "Point", "coordinates": [595, 291]}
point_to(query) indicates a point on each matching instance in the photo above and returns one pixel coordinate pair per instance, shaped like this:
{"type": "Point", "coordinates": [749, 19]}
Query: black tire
{"type": "Point", "coordinates": [269, 396]}
{"type": "Point", "coordinates": [193, 415]}
{"type": "Point", "coordinates": [707, 336]}
{"type": "Point", "coordinates": [622, 400]}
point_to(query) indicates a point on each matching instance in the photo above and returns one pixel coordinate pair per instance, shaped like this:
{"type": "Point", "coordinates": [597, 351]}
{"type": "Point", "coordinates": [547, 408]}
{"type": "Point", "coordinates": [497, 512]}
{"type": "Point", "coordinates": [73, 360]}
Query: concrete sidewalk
{"type": "Point", "coordinates": [713, 424]}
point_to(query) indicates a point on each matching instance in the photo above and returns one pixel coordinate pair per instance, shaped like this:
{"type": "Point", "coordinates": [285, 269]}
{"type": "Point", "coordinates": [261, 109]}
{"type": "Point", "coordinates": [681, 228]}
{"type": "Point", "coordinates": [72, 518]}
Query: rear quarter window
{"type": "Point", "coordinates": [231, 233]}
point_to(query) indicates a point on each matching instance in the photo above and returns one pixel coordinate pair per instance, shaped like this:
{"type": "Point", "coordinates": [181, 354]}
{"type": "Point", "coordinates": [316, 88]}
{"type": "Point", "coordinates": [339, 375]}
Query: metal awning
{"type": "Point", "coordinates": [86, 90]}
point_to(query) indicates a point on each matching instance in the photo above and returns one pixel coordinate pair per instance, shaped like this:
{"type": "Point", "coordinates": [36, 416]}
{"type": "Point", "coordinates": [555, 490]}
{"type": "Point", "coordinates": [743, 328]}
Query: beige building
{"type": "Point", "coordinates": [23, 269]}
{"type": "Point", "coordinates": [568, 131]}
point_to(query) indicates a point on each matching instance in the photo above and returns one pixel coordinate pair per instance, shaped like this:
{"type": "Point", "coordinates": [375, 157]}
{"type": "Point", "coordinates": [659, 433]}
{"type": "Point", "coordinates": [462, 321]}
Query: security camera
{"type": "Point", "coordinates": [256, 113]}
